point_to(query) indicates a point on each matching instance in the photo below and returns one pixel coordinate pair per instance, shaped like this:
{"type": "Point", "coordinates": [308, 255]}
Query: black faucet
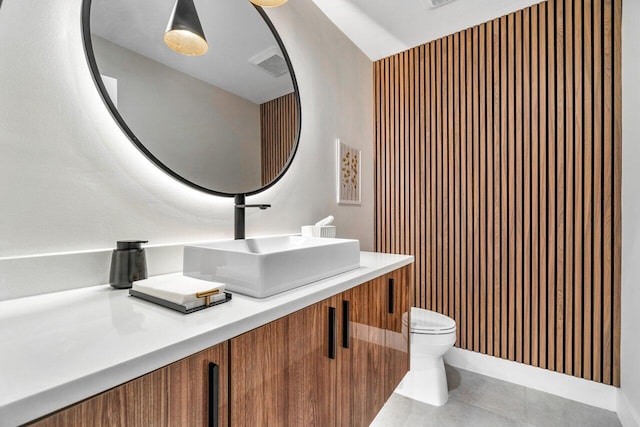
{"type": "Point", "coordinates": [238, 223]}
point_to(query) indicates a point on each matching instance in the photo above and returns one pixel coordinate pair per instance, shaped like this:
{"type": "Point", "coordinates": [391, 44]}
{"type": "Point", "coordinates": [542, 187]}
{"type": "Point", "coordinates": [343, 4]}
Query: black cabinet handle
{"type": "Point", "coordinates": [332, 333]}
{"type": "Point", "coordinates": [214, 388]}
{"type": "Point", "coordinates": [391, 296]}
{"type": "Point", "coordinates": [345, 324]}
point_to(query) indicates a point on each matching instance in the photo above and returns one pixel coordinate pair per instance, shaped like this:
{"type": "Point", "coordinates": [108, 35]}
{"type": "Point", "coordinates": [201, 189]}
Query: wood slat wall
{"type": "Point", "coordinates": [278, 121]}
{"type": "Point", "coordinates": [498, 165]}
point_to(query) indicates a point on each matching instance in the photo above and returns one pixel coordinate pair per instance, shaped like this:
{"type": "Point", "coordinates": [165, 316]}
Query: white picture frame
{"type": "Point", "coordinates": [348, 174]}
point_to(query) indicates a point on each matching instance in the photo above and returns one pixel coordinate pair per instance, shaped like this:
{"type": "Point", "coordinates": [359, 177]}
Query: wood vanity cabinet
{"type": "Point", "coordinates": [180, 394]}
{"type": "Point", "coordinates": [333, 363]}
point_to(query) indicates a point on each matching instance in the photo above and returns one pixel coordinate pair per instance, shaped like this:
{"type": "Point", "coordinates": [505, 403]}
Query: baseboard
{"type": "Point", "coordinates": [627, 413]}
{"type": "Point", "coordinates": [578, 389]}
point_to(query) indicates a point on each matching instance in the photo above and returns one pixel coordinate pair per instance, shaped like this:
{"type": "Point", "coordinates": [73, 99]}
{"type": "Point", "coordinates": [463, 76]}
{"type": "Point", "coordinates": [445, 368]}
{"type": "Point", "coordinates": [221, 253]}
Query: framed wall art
{"type": "Point", "coordinates": [348, 174]}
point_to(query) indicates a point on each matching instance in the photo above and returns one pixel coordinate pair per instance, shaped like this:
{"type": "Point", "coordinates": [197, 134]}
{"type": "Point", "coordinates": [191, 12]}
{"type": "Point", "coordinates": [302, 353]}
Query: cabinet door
{"type": "Point", "coordinates": [282, 373]}
{"type": "Point", "coordinates": [177, 394]}
{"type": "Point", "coordinates": [136, 403]}
{"type": "Point", "coordinates": [198, 389]}
{"type": "Point", "coordinates": [361, 361]}
{"type": "Point", "coordinates": [396, 336]}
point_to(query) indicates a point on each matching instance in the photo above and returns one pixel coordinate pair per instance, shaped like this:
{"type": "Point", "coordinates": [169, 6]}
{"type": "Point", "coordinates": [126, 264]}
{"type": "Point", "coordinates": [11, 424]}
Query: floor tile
{"type": "Point", "coordinates": [545, 409]}
{"type": "Point", "coordinates": [401, 411]}
{"type": "Point", "coordinates": [500, 397]}
{"type": "Point", "coordinates": [480, 401]}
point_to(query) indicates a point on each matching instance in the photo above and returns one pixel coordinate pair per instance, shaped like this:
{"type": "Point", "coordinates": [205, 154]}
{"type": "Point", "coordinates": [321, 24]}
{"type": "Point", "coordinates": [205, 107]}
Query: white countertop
{"type": "Point", "coordinates": [60, 348]}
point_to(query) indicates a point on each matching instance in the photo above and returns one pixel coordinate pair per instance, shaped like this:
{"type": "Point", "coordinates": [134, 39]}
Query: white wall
{"type": "Point", "coordinates": [629, 399]}
{"type": "Point", "coordinates": [70, 180]}
{"type": "Point", "coordinates": [204, 133]}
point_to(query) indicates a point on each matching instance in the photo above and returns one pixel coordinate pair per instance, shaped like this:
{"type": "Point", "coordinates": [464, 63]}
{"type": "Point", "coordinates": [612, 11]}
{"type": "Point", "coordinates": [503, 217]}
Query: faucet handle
{"type": "Point", "coordinates": [239, 202]}
{"type": "Point", "coordinates": [263, 207]}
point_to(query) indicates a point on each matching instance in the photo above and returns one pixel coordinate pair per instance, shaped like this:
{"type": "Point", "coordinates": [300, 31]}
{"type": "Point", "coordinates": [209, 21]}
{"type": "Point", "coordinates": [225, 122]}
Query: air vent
{"type": "Point", "coordinates": [271, 61]}
{"type": "Point", "coordinates": [274, 65]}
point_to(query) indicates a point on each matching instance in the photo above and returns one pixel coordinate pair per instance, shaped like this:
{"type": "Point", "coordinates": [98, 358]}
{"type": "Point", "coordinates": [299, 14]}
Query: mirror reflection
{"type": "Point", "coordinates": [226, 121]}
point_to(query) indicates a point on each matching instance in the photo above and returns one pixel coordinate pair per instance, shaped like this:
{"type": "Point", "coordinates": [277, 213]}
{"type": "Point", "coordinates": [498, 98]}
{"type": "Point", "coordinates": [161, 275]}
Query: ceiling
{"type": "Point", "coordinates": [381, 28]}
{"type": "Point", "coordinates": [233, 28]}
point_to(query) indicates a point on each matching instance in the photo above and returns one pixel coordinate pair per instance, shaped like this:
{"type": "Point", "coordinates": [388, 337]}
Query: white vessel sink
{"type": "Point", "coordinates": [266, 266]}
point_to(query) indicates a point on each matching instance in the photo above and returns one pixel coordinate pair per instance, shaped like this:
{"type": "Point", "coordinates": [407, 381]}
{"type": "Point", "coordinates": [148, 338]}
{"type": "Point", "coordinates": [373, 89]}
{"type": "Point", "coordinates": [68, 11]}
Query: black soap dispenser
{"type": "Point", "coordinates": [128, 264]}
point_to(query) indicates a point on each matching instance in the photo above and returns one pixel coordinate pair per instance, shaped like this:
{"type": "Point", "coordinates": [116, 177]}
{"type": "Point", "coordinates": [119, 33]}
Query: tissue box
{"type": "Point", "coordinates": [319, 231]}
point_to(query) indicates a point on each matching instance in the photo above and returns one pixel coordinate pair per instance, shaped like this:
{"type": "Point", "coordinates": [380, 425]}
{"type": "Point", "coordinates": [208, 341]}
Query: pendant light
{"type": "Point", "coordinates": [268, 3]}
{"type": "Point", "coordinates": [184, 33]}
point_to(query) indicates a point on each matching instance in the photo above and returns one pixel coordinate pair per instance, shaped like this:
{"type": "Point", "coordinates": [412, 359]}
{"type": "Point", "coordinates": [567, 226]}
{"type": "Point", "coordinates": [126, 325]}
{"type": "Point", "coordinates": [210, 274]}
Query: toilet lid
{"type": "Point", "coordinates": [426, 321]}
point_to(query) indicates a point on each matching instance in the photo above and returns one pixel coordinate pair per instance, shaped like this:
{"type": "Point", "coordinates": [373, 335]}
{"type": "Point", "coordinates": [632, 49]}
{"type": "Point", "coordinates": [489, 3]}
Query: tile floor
{"type": "Point", "coordinates": [479, 401]}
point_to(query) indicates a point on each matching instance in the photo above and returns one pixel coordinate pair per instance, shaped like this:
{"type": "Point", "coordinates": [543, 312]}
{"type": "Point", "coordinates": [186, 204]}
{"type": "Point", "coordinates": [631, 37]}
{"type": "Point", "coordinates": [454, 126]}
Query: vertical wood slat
{"type": "Point", "coordinates": [481, 240]}
{"type": "Point", "coordinates": [587, 206]}
{"type": "Point", "coordinates": [469, 184]}
{"type": "Point", "coordinates": [578, 192]}
{"type": "Point", "coordinates": [569, 178]}
{"type": "Point", "coordinates": [278, 124]}
{"type": "Point", "coordinates": [511, 188]}
{"type": "Point", "coordinates": [433, 142]}
{"type": "Point", "coordinates": [439, 180]}
{"type": "Point", "coordinates": [423, 271]}
{"type": "Point", "coordinates": [475, 149]}
{"type": "Point", "coordinates": [607, 184]}
{"type": "Point", "coordinates": [457, 178]}
{"type": "Point", "coordinates": [463, 196]}
{"type": "Point", "coordinates": [526, 161]}
{"type": "Point", "coordinates": [394, 176]}
{"type": "Point", "coordinates": [560, 147]}
{"type": "Point", "coordinates": [425, 161]}
{"type": "Point", "coordinates": [551, 187]}
{"type": "Point", "coordinates": [497, 272]}
{"type": "Point", "coordinates": [542, 215]}
{"type": "Point", "coordinates": [489, 192]}
{"type": "Point", "coordinates": [451, 180]}
{"type": "Point", "coordinates": [519, 190]}
{"type": "Point", "coordinates": [444, 174]}
{"type": "Point", "coordinates": [415, 144]}
{"type": "Point", "coordinates": [385, 151]}
{"type": "Point", "coordinates": [536, 306]}
{"type": "Point", "coordinates": [597, 191]}
{"type": "Point", "coordinates": [498, 165]}
{"type": "Point", "coordinates": [504, 192]}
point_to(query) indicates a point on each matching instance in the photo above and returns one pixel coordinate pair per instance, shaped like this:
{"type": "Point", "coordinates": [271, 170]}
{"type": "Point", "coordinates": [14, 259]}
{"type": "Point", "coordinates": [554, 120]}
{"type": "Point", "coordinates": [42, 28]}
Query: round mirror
{"type": "Point", "coordinates": [225, 122]}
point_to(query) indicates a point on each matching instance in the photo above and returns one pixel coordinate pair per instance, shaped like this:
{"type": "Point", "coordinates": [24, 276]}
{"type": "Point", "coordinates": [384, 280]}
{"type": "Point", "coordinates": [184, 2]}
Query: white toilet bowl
{"type": "Point", "coordinates": [432, 335]}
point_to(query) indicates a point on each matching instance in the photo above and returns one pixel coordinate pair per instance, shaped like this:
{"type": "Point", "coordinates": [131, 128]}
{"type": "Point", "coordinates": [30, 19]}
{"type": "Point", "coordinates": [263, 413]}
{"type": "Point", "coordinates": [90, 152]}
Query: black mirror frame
{"type": "Point", "coordinates": [95, 74]}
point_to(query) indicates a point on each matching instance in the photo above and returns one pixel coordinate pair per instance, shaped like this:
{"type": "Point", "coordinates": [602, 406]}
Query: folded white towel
{"type": "Point", "coordinates": [179, 289]}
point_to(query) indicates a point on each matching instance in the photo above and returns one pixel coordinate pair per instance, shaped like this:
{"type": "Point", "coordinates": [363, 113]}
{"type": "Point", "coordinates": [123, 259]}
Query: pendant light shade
{"type": "Point", "coordinates": [184, 33]}
{"type": "Point", "coordinates": [268, 3]}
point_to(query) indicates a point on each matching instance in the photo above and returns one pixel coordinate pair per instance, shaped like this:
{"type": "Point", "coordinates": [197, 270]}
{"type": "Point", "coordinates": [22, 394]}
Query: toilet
{"type": "Point", "coordinates": [432, 335]}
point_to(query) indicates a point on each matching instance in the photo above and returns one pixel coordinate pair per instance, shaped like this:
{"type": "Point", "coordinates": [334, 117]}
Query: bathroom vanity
{"type": "Point", "coordinates": [328, 353]}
